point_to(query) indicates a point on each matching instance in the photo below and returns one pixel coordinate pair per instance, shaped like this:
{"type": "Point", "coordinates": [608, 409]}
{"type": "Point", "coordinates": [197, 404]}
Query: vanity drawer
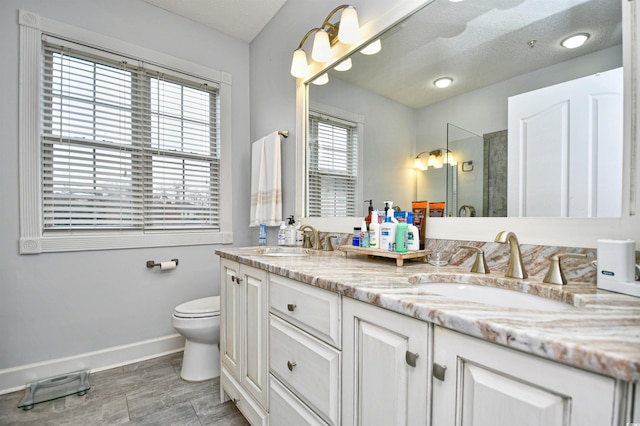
{"type": "Point", "coordinates": [309, 368]}
{"type": "Point", "coordinates": [314, 310]}
{"type": "Point", "coordinates": [286, 409]}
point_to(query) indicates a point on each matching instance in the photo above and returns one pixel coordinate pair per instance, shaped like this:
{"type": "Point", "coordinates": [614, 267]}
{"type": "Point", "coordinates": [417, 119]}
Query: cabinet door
{"type": "Point", "coordinates": [489, 385]}
{"type": "Point", "coordinates": [383, 381]}
{"type": "Point", "coordinates": [255, 367]}
{"type": "Point", "coordinates": [230, 316]}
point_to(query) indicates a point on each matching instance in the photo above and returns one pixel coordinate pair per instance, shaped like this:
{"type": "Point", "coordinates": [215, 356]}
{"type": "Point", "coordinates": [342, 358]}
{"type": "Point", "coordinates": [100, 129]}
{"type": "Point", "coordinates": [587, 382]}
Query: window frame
{"type": "Point", "coordinates": [32, 237]}
{"type": "Point", "coordinates": [346, 117]}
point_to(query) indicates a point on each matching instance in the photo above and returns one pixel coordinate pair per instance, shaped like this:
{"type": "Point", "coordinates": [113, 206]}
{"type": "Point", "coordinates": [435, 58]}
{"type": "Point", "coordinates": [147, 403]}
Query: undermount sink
{"type": "Point", "coordinates": [496, 296]}
{"type": "Point", "coordinates": [282, 251]}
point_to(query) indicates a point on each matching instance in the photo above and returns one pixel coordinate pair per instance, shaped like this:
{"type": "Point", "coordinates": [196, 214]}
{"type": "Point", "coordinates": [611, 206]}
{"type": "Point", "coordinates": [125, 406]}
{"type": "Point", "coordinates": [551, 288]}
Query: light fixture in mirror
{"type": "Point", "coordinates": [321, 80]}
{"type": "Point", "coordinates": [443, 83]}
{"type": "Point", "coordinates": [436, 159]}
{"type": "Point", "coordinates": [575, 41]}
{"type": "Point", "coordinates": [372, 48]}
{"type": "Point", "coordinates": [344, 65]}
{"type": "Point", "coordinates": [347, 31]}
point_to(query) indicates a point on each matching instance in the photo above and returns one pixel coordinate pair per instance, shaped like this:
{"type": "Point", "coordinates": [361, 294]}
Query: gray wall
{"type": "Point", "coordinates": [62, 304]}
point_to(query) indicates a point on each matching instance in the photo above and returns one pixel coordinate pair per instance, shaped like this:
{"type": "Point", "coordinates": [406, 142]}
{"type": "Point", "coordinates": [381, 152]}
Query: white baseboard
{"type": "Point", "coordinates": [15, 378]}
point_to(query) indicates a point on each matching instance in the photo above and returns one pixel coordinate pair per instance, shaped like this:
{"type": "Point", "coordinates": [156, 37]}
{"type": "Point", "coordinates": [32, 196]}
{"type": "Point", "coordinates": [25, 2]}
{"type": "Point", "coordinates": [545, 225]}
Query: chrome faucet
{"type": "Point", "coordinates": [515, 268]}
{"type": "Point", "coordinates": [316, 238]}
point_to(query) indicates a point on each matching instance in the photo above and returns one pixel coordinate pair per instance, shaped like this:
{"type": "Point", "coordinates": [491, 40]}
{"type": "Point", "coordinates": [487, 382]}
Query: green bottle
{"type": "Point", "coordinates": [402, 230]}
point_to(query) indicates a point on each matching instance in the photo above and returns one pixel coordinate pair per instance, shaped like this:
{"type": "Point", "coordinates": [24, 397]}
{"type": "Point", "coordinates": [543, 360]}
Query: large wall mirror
{"type": "Point", "coordinates": [497, 53]}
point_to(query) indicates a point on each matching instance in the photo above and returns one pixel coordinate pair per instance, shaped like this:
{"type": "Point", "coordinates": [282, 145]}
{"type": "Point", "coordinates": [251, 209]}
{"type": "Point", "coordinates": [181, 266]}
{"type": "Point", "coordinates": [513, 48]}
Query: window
{"type": "Point", "coordinates": [333, 166]}
{"type": "Point", "coordinates": [118, 151]}
{"type": "Point", "coordinates": [126, 148]}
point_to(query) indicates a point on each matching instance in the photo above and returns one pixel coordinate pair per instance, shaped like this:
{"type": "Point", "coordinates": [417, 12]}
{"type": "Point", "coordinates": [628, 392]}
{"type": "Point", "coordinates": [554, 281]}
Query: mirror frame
{"type": "Point", "coordinates": [570, 232]}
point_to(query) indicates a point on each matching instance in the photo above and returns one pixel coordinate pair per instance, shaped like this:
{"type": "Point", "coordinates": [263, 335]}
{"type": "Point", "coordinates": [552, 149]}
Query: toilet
{"type": "Point", "coordinates": [198, 321]}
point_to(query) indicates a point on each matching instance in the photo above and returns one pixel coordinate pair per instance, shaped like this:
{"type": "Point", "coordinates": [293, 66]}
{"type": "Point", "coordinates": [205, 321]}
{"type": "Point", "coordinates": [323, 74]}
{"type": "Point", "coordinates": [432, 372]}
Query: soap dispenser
{"type": "Point", "coordinates": [388, 232]}
{"type": "Point", "coordinates": [290, 234]}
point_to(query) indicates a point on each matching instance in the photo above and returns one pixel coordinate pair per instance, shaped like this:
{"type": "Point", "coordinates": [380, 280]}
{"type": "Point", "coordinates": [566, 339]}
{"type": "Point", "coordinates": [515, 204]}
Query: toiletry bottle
{"type": "Point", "coordinates": [374, 231]}
{"type": "Point", "coordinates": [290, 235]}
{"type": "Point", "coordinates": [401, 236]}
{"type": "Point", "coordinates": [367, 219]}
{"type": "Point", "coordinates": [388, 232]}
{"type": "Point", "coordinates": [413, 234]}
{"type": "Point", "coordinates": [282, 234]}
{"type": "Point", "coordinates": [364, 235]}
{"type": "Point", "coordinates": [262, 238]}
{"type": "Point", "coordinates": [299, 236]}
{"type": "Point", "coordinates": [355, 241]}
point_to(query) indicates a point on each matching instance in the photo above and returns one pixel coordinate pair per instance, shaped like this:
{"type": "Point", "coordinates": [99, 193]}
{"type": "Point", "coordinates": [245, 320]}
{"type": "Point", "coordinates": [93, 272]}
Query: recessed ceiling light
{"type": "Point", "coordinates": [575, 40]}
{"type": "Point", "coordinates": [443, 82]}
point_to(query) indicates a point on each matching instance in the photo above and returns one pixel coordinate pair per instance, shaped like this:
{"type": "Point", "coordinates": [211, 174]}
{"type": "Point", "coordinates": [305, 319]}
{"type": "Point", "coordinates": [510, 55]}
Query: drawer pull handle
{"type": "Point", "coordinates": [290, 365]}
{"type": "Point", "coordinates": [236, 279]}
{"type": "Point", "coordinates": [291, 307]}
{"type": "Point", "coordinates": [439, 371]}
{"type": "Point", "coordinates": [411, 358]}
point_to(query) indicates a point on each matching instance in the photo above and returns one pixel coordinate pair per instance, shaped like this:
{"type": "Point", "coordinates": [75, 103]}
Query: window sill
{"type": "Point", "coordinates": [51, 244]}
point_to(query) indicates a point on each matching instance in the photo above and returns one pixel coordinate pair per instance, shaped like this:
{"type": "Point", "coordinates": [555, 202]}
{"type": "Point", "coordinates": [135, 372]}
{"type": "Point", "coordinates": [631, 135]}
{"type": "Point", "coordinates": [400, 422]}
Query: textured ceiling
{"type": "Point", "coordinates": [242, 19]}
{"type": "Point", "coordinates": [479, 43]}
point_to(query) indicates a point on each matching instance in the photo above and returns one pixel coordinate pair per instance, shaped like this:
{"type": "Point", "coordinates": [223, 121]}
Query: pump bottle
{"type": "Point", "coordinates": [388, 232]}
{"type": "Point", "coordinates": [374, 231]}
{"type": "Point", "coordinates": [413, 234]}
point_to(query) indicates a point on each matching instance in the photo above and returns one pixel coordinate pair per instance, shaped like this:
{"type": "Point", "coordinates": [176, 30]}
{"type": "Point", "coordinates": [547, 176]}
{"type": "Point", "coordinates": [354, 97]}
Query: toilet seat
{"type": "Point", "coordinates": [199, 308]}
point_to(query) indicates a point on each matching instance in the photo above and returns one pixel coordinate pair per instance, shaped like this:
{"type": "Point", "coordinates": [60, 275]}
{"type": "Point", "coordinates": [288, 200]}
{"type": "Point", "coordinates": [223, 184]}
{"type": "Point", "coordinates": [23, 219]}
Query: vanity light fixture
{"type": "Point", "coordinates": [575, 40]}
{"type": "Point", "coordinates": [347, 31]}
{"type": "Point", "coordinates": [437, 158]}
{"type": "Point", "coordinates": [443, 82]}
{"type": "Point", "coordinates": [372, 48]}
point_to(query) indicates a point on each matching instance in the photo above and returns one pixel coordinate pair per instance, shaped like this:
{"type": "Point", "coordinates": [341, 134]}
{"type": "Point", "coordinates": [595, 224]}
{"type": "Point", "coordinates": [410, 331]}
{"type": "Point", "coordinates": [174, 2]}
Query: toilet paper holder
{"type": "Point", "coordinates": [152, 263]}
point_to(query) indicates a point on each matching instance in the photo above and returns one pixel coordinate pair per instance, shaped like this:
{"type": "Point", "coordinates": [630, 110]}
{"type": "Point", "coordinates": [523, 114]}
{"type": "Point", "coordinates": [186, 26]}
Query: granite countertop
{"type": "Point", "coordinates": [601, 333]}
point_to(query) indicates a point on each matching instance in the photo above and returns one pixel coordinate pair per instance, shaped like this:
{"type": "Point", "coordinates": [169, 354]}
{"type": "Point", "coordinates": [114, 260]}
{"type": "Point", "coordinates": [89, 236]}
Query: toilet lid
{"type": "Point", "coordinates": [199, 308]}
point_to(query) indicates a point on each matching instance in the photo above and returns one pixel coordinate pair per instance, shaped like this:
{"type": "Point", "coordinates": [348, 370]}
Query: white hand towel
{"type": "Point", "coordinates": [266, 181]}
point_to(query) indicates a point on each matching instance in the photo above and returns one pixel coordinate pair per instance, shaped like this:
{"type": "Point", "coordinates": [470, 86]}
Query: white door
{"type": "Point", "coordinates": [386, 363]}
{"type": "Point", "coordinates": [565, 149]}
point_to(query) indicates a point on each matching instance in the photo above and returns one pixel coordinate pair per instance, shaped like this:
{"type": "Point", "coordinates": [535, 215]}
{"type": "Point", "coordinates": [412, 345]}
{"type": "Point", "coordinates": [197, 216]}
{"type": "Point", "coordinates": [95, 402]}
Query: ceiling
{"type": "Point", "coordinates": [242, 19]}
{"type": "Point", "coordinates": [479, 43]}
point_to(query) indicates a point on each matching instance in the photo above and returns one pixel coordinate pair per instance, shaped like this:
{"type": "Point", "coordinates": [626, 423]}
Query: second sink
{"type": "Point", "coordinates": [496, 296]}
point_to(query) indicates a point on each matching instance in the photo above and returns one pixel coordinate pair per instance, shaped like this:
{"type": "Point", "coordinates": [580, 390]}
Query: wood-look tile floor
{"type": "Point", "coordinates": [145, 393]}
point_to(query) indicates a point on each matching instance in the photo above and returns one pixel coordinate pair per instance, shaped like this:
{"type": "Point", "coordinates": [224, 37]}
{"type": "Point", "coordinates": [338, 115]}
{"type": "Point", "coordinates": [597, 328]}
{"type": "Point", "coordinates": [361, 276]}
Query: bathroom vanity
{"type": "Point", "coordinates": [316, 338]}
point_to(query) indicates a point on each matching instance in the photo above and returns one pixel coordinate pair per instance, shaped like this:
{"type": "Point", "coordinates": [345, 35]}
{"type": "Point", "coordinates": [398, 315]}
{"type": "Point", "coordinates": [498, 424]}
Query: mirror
{"type": "Point", "coordinates": [493, 50]}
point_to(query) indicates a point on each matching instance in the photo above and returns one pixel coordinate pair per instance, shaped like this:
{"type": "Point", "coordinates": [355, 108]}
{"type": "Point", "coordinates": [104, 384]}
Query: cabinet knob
{"type": "Point", "coordinates": [290, 365]}
{"type": "Point", "coordinates": [439, 371]}
{"type": "Point", "coordinates": [291, 307]}
{"type": "Point", "coordinates": [411, 358]}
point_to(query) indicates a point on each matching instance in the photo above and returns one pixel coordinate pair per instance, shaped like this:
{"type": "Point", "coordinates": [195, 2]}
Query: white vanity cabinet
{"type": "Point", "coordinates": [304, 354]}
{"type": "Point", "coordinates": [489, 385]}
{"type": "Point", "coordinates": [243, 339]}
{"type": "Point", "coordinates": [386, 367]}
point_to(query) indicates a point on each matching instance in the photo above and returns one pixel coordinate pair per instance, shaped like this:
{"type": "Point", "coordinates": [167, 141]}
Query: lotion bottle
{"type": "Point", "coordinates": [388, 232]}
{"type": "Point", "coordinates": [401, 236]}
{"type": "Point", "coordinates": [413, 234]}
{"type": "Point", "coordinates": [374, 231]}
{"type": "Point", "coordinates": [282, 234]}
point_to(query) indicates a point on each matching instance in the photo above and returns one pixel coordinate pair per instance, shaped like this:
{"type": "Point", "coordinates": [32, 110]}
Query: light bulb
{"type": "Point", "coordinates": [344, 65]}
{"type": "Point", "coordinates": [349, 30]}
{"type": "Point", "coordinates": [372, 48]}
{"type": "Point", "coordinates": [443, 82]}
{"type": "Point", "coordinates": [321, 51]}
{"type": "Point", "coordinates": [322, 79]}
{"type": "Point", "coordinates": [299, 63]}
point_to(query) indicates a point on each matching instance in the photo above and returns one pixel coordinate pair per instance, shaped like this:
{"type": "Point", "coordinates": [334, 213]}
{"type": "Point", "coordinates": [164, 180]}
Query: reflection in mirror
{"type": "Point", "coordinates": [493, 50]}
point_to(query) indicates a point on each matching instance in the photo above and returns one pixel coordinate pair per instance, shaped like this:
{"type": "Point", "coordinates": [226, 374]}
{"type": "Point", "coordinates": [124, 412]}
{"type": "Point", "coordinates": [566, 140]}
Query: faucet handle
{"type": "Point", "coordinates": [480, 264]}
{"type": "Point", "coordinates": [306, 240]}
{"type": "Point", "coordinates": [555, 274]}
{"type": "Point", "coordinates": [327, 243]}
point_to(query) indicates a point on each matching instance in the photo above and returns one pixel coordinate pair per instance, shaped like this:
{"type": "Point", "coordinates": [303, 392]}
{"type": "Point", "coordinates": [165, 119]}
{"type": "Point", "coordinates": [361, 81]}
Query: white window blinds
{"type": "Point", "coordinates": [126, 146]}
{"type": "Point", "coordinates": [333, 166]}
